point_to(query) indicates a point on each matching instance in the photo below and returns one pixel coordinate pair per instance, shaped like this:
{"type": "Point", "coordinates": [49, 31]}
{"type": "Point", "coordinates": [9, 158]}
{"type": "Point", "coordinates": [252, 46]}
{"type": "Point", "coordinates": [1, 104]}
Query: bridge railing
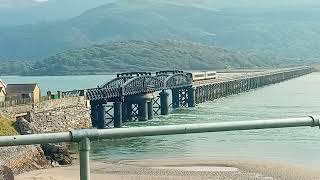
{"type": "Point", "coordinates": [254, 75]}
{"type": "Point", "coordinates": [74, 93]}
{"type": "Point", "coordinates": [83, 137]}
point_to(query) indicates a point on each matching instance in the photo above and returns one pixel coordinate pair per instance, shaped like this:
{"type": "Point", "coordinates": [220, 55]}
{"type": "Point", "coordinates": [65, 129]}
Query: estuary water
{"type": "Point", "coordinates": [293, 98]}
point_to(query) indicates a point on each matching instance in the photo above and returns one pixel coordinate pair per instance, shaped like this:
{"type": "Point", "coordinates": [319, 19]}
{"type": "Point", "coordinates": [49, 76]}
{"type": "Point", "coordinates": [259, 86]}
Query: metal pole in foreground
{"type": "Point", "coordinates": [78, 135]}
{"type": "Point", "coordinates": [84, 149]}
{"type": "Point", "coordinates": [82, 136]}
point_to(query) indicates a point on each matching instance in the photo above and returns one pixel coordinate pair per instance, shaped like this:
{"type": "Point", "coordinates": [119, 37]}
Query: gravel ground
{"type": "Point", "coordinates": [9, 153]}
{"type": "Point", "coordinates": [180, 170]}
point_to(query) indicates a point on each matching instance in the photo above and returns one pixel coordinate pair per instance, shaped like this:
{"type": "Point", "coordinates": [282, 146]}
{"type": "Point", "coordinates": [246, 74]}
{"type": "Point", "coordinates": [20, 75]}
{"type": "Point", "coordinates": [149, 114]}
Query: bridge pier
{"type": "Point", "coordinates": [191, 97]}
{"type": "Point", "coordinates": [150, 109]}
{"type": "Point", "coordinates": [94, 113]}
{"type": "Point", "coordinates": [101, 123]}
{"type": "Point", "coordinates": [117, 115]}
{"type": "Point", "coordinates": [142, 110]}
{"type": "Point", "coordinates": [175, 98]}
{"type": "Point", "coordinates": [129, 110]}
{"type": "Point", "coordinates": [124, 109]}
{"type": "Point", "coordinates": [164, 103]}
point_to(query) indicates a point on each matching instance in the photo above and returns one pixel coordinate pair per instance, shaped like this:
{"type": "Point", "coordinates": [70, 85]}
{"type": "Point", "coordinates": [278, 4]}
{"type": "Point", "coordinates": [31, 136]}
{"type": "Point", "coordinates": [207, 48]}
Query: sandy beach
{"type": "Point", "coordinates": [178, 169]}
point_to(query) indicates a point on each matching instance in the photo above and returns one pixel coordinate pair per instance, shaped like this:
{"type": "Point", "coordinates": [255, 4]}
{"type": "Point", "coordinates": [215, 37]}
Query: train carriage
{"type": "Point", "coordinates": [203, 75]}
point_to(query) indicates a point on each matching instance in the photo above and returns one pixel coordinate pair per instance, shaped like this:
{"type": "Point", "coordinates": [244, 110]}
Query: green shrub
{"type": "Point", "coordinates": [7, 126]}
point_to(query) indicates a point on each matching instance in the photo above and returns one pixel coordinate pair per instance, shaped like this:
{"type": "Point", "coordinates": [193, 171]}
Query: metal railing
{"type": "Point", "coordinates": [83, 137]}
{"type": "Point", "coordinates": [73, 93]}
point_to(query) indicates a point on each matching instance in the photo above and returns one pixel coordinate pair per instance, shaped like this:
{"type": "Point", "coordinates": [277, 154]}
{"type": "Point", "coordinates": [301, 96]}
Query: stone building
{"type": "Point", "coordinates": [24, 91]}
{"type": "Point", "coordinates": [2, 91]}
{"type": "Point", "coordinates": [2, 94]}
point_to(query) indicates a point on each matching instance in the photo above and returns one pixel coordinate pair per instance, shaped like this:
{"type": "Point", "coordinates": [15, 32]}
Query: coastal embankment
{"type": "Point", "coordinates": [55, 115]}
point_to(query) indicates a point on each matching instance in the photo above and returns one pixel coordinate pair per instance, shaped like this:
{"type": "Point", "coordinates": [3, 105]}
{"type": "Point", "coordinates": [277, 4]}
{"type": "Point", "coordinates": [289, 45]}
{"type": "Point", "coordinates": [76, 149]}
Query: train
{"type": "Point", "coordinates": [203, 75]}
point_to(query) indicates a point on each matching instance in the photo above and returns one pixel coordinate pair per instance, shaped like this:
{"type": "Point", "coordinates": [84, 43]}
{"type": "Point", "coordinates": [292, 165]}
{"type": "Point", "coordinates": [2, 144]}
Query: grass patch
{"type": "Point", "coordinates": [7, 126]}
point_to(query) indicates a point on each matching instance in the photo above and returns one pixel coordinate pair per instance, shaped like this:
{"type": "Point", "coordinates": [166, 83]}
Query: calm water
{"type": "Point", "coordinates": [298, 97]}
{"type": "Point", "coordinates": [56, 83]}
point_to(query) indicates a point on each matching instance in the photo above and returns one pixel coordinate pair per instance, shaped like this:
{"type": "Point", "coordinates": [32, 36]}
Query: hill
{"type": "Point", "coordinates": [136, 56]}
{"type": "Point", "coordinates": [268, 31]}
{"type": "Point", "coordinates": [20, 12]}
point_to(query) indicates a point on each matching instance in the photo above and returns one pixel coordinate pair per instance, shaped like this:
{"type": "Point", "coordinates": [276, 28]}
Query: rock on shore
{"type": "Point", "coordinates": [23, 158]}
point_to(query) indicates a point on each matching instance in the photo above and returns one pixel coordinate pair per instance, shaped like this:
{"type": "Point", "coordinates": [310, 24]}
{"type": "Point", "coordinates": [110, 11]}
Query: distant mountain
{"type": "Point", "coordinates": [20, 12]}
{"type": "Point", "coordinates": [265, 28]}
{"type": "Point", "coordinates": [135, 56]}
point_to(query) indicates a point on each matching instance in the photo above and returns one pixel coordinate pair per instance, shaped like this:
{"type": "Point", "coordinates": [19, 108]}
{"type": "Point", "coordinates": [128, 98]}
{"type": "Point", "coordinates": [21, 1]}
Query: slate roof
{"type": "Point", "coordinates": [20, 88]}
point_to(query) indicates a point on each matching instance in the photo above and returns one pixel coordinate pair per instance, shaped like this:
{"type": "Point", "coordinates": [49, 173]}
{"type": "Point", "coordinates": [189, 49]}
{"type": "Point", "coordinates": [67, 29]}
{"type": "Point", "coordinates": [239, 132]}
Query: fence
{"type": "Point", "coordinates": [83, 137]}
{"type": "Point", "coordinates": [21, 101]}
{"type": "Point", "coordinates": [14, 102]}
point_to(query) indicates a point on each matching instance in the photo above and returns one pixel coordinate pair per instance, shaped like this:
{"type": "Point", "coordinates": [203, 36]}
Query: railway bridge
{"type": "Point", "coordinates": [139, 96]}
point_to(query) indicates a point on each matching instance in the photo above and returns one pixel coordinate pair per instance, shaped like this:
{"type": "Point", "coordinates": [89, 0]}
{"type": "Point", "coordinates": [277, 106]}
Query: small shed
{"type": "Point", "coordinates": [24, 91]}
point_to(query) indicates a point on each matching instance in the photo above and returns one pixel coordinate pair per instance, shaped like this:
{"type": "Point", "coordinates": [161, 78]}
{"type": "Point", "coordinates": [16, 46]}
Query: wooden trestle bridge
{"type": "Point", "coordinates": [138, 96]}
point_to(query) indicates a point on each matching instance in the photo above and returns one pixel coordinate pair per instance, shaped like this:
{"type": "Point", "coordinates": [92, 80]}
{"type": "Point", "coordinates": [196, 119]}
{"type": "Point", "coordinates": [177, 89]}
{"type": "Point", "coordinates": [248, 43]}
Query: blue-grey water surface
{"type": "Point", "coordinates": [294, 98]}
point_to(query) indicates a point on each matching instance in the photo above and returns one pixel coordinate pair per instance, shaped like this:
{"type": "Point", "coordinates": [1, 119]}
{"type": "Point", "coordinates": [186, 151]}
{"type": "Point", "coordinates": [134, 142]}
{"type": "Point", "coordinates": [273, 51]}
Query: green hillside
{"type": "Point", "coordinates": [136, 56]}
{"type": "Point", "coordinates": [268, 31]}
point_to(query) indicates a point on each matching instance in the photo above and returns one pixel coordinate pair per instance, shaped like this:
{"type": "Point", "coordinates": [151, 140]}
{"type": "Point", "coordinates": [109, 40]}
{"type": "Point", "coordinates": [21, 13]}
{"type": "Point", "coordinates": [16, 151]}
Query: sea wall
{"type": "Point", "coordinates": [14, 111]}
{"type": "Point", "coordinates": [60, 115]}
{"type": "Point", "coordinates": [47, 116]}
{"type": "Point", "coordinates": [54, 115]}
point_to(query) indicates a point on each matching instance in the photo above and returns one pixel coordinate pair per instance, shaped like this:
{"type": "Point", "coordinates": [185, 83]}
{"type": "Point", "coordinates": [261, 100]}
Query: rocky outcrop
{"type": "Point", "coordinates": [24, 127]}
{"type": "Point", "coordinates": [53, 152]}
{"type": "Point", "coordinates": [23, 158]}
{"type": "Point", "coordinates": [57, 153]}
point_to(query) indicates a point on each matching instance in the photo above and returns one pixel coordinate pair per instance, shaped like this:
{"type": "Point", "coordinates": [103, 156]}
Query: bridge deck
{"type": "Point", "coordinates": [130, 85]}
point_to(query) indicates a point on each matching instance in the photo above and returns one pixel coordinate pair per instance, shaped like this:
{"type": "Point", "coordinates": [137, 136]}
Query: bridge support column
{"type": "Point", "coordinates": [164, 103]}
{"type": "Point", "coordinates": [175, 98]}
{"type": "Point", "coordinates": [101, 123]}
{"type": "Point", "coordinates": [143, 111]}
{"type": "Point", "coordinates": [94, 113]}
{"type": "Point", "coordinates": [117, 121]}
{"type": "Point", "coordinates": [191, 97]}
{"type": "Point", "coordinates": [129, 111]}
{"type": "Point", "coordinates": [124, 112]}
{"type": "Point", "coordinates": [150, 109]}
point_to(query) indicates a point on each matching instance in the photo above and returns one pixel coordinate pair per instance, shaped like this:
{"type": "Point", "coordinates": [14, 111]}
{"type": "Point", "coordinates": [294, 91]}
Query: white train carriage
{"type": "Point", "coordinates": [204, 75]}
{"type": "Point", "coordinates": [197, 76]}
{"type": "Point", "coordinates": [211, 75]}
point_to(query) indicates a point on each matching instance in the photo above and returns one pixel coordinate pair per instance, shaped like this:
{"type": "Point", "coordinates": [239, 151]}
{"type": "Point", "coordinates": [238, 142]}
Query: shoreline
{"type": "Point", "coordinates": [177, 169]}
